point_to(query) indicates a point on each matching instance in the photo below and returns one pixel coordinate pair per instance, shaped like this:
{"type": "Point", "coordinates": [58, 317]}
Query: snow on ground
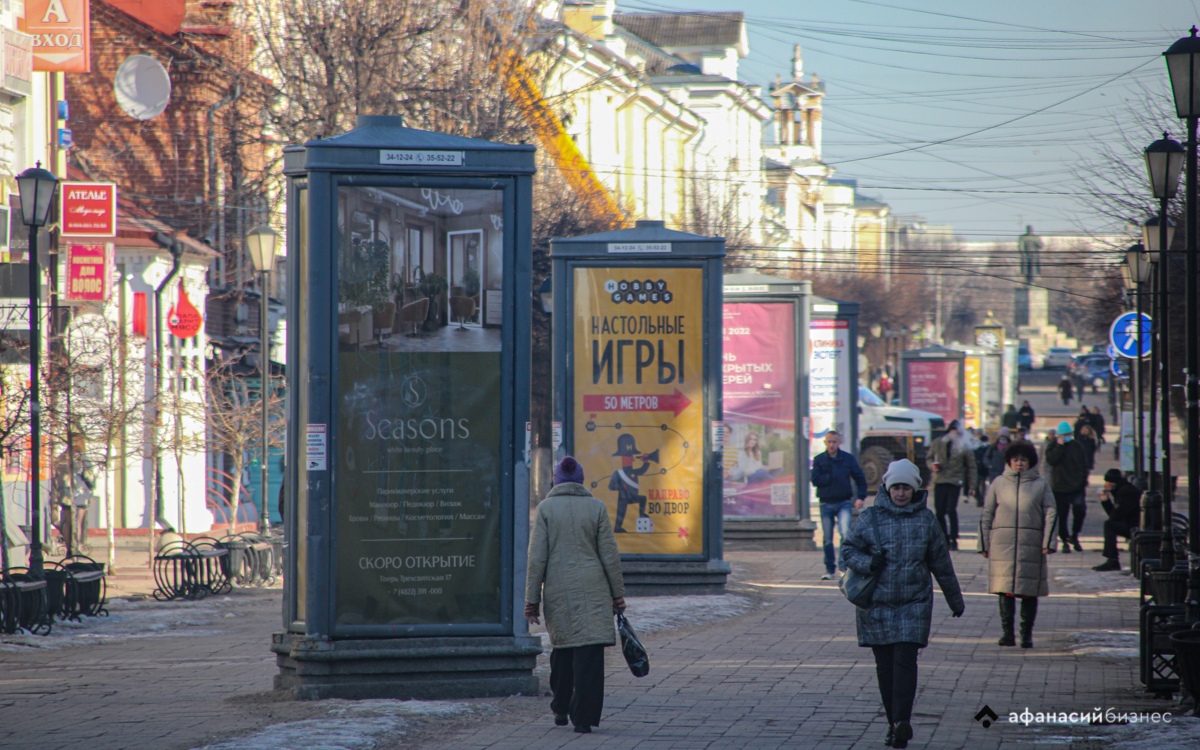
{"type": "Point", "coordinates": [1182, 732]}
{"type": "Point", "coordinates": [350, 725]}
{"type": "Point", "coordinates": [1121, 644]}
{"type": "Point", "coordinates": [650, 614]}
{"type": "Point", "coordinates": [1110, 583]}
{"type": "Point", "coordinates": [130, 619]}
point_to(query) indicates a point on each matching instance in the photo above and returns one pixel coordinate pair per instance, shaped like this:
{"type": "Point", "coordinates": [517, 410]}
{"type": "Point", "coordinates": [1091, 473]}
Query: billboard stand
{"type": "Point", "coordinates": [408, 353]}
{"type": "Point", "coordinates": [765, 382]}
{"type": "Point", "coordinates": [637, 359]}
{"type": "Point", "coordinates": [934, 379]}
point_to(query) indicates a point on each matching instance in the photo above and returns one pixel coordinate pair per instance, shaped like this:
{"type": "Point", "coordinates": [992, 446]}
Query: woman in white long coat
{"type": "Point", "coordinates": [1016, 533]}
{"type": "Point", "coordinates": [575, 569]}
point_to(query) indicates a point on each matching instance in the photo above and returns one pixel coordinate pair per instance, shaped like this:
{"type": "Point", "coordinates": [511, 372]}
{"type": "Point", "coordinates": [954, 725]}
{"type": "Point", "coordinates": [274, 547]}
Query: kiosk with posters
{"type": "Point", "coordinates": [765, 364]}
{"type": "Point", "coordinates": [933, 379]}
{"type": "Point", "coordinates": [637, 387]}
{"type": "Point", "coordinates": [408, 393]}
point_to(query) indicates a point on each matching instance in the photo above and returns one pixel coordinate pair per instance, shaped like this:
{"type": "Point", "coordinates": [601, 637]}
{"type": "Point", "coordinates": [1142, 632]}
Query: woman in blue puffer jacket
{"type": "Point", "coordinates": [900, 541]}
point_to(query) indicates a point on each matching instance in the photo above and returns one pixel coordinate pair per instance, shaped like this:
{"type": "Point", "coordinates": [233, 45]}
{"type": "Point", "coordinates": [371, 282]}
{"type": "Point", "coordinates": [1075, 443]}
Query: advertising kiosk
{"type": "Point", "coordinates": [408, 392]}
{"type": "Point", "coordinates": [637, 389]}
{"type": "Point", "coordinates": [765, 382]}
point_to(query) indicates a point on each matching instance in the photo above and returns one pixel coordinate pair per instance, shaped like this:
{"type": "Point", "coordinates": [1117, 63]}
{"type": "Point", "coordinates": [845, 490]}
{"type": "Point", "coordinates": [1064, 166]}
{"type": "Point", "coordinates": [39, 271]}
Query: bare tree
{"type": "Point", "coordinates": [234, 428]}
{"type": "Point", "coordinates": [101, 377]}
{"type": "Point", "coordinates": [14, 424]}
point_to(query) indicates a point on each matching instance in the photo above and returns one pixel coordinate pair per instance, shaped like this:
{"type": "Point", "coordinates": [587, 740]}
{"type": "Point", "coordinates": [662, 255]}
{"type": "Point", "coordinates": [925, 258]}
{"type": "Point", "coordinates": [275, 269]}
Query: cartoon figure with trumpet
{"type": "Point", "coordinates": [624, 482]}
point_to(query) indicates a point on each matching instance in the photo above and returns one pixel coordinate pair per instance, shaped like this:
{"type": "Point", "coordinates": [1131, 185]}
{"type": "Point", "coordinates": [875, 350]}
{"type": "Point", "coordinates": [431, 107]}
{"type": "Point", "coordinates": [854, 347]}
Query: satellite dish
{"type": "Point", "coordinates": [142, 87]}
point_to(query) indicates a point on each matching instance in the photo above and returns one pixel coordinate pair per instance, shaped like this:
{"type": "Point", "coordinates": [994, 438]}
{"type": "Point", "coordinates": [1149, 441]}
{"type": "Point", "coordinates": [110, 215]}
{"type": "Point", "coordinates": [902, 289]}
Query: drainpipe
{"type": "Point", "coordinates": [667, 129]}
{"type": "Point", "coordinates": [646, 151]}
{"type": "Point", "coordinates": [210, 117]}
{"type": "Point", "coordinates": [174, 247]}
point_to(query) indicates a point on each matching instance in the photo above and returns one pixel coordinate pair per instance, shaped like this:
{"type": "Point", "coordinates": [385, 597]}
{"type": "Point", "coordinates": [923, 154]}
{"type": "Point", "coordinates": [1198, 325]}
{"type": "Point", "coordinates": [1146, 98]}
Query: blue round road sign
{"type": "Point", "coordinates": [1118, 368]}
{"type": "Point", "coordinates": [1124, 335]}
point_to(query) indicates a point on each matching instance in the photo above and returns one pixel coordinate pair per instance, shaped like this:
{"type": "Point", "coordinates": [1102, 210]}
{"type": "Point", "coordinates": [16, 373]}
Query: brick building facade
{"type": "Point", "coordinates": [198, 166]}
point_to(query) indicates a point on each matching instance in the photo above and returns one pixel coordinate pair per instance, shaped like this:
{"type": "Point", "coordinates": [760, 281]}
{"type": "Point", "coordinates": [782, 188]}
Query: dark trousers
{"type": "Point", "coordinates": [896, 668]}
{"type": "Point", "coordinates": [945, 502]}
{"type": "Point", "coordinates": [1066, 502]}
{"type": "Point", "coordinates": [577, 682]}
{"type": "Point", "coordinates": [1112, 530]}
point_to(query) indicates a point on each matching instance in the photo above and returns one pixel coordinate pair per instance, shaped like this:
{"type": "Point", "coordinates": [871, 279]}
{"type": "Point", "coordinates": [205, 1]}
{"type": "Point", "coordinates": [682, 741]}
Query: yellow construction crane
{"type": "Point", "coordinates": [520, 85]}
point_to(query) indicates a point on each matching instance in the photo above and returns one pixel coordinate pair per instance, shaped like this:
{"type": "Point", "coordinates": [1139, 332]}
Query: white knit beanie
{"type": "Point", "coordinates": [902, 472]}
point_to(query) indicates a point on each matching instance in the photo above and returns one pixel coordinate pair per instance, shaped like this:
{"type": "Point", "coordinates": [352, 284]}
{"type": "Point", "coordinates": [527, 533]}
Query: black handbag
{"type": "Point", "coordinates": [635, 653]}
{"type": "Point", "coordinates": [856, 587]}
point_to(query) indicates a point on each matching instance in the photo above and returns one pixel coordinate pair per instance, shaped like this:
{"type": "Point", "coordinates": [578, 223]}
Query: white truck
{"type": "Point", "coordinates": [888, 433]}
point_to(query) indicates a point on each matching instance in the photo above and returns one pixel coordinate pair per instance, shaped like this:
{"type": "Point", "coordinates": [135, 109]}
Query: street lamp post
{"type": "Point", "coordinates": [1164, 162]}
{"type": "Point", "coordinates": [260, 242]}
{"type": "Point", "coordinates": [37, 187]}
{"type": "Point", "coordinates": [1183, 66]}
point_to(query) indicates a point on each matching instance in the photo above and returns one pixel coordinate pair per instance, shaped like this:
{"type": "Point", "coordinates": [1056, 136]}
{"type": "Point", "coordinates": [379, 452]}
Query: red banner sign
{"type": "Point", "coordinates": [89, 273]}
{"type": "Point", "coordinates": [89, 209]}
{"type": "Point", "coordinates": [183, 318]}
{"type": "Point", "coordinates": [61, 31]}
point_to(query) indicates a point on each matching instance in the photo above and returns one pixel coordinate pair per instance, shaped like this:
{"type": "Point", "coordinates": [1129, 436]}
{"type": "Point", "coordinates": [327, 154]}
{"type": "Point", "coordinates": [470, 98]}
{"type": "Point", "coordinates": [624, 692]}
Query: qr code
{"type": "Point", "coordinates": [781, 494]}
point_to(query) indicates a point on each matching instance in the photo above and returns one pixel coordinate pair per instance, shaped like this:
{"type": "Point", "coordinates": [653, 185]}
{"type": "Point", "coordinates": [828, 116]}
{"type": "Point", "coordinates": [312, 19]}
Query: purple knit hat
{"type": "Point", "coordinates": [568, 470]}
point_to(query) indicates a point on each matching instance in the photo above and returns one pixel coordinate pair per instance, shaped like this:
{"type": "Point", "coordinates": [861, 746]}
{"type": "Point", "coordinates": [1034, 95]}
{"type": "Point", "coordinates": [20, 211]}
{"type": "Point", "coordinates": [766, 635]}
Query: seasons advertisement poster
{"type": "Point", "coordinates": [759, 398]}
{"type": "Point", "coordinates": [418, 488]}
{"type": "Point", "coordinates": [639, 403]}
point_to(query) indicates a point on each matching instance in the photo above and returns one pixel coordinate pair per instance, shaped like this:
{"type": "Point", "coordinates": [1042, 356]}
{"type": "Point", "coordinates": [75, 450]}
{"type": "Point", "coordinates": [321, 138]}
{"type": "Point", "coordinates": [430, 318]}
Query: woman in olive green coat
{"type": "Point", "coordinates": [1016, 533]}
{"type": "Point", "coordinates": [575, 568]}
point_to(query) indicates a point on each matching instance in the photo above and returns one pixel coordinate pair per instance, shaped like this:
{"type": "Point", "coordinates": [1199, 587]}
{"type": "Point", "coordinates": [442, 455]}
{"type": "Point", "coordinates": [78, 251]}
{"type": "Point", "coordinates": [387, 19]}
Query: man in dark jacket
{"type": "Point", "coordinates": [1026, 417]}
{"type": "Point", "coordinates": [1011, 419]}
{"type": "Point", "coordinates": [841, 487]}
{"type": "Point", "coordinates": [1122, 501]}
{"type": "Point", "coordinates": [1068, 478]}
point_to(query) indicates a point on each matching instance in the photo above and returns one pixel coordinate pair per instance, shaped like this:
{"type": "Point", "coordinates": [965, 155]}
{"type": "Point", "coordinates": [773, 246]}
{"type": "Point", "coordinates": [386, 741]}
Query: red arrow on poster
{"type": "Point", "coordinates": [675, 402]}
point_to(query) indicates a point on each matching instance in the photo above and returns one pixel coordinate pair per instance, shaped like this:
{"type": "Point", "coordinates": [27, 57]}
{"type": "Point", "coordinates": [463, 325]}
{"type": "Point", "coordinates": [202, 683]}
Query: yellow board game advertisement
{"type": "Point", "coordinates": [973, 382]}
{"type": "Point", "coordinates": [638, 374]}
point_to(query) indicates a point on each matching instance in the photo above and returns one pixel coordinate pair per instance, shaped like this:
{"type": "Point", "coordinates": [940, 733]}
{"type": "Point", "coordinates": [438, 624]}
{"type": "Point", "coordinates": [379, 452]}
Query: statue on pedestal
{"type": "Point", "coordinates": [1029, 245]}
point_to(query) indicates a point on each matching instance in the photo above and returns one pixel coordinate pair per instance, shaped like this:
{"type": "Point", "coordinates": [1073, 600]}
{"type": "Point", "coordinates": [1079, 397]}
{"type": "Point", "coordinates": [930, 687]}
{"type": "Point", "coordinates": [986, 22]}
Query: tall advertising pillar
{"type": "Point", "coordinates": [637, 390]}
{"type": "Point", "coordinates": [408, 393]}
{"type": "Point", "coordinates": [765, 381]}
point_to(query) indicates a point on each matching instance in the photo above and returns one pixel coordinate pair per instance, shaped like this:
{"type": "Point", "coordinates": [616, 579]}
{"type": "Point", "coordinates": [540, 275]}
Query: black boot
{"type": "Point", "coordinates": [1029, 606]}
{"type": "Point", "coordinates": [1008, 608]}
{"type": "Point", "coordinates": [891, 735]}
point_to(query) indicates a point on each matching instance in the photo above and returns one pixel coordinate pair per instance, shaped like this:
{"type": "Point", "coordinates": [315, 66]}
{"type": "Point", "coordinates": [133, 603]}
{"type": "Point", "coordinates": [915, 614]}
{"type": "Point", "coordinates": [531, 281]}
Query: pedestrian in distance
{"type": "Point", "coordinates": [953, 469]}
{"type": "Point", "coordinates": [1016, 533]}
{"type": "Point", "coordinates": [981, 468]}
{"type": "Point", "coordinates": [1067, 459]}
{"type": "Point", "coordinates": [899, 541]}
{"type": "Point", "coordinates": [1084, 418]}
{"type": "Point", "coordinates": [1026, 417]}
{"type": "Point", "coordinates": [574, 568]}
{"type": "Point", "coordinates": [1011, 419]}
{"type": "Point", "coordinates": [1098, 424]}
{"type": "Point", "coordinates": [1065, 390]}
{"type": "Point", "coordinates": [1087, 438]}
{"type": "Point", "coordinates": [1122, 502]}
{"type": "Point", "coordinates": [74, 490]}
{"type": "Point", "coordinates": [993, 457]}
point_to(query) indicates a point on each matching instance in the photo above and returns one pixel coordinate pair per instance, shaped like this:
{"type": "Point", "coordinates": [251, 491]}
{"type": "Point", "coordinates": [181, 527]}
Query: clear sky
{"type": "Point", "coordinates": [974, 113]}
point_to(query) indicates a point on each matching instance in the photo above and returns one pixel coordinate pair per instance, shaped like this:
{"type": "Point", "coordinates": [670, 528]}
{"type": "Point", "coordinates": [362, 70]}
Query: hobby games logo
{"type": "Point", "coordinates": [638, 290]}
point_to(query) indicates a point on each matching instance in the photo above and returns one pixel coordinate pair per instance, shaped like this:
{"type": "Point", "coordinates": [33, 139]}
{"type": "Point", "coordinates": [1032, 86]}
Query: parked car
{"type": "Point", "coordinates": [1096, 373]}
{"type": "Point", "coordinates": [1081, 363]}
{"type": "Point", "coordinates": [1024, 358]}
{"type": "Point", "coordinates": [1057, 358]}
